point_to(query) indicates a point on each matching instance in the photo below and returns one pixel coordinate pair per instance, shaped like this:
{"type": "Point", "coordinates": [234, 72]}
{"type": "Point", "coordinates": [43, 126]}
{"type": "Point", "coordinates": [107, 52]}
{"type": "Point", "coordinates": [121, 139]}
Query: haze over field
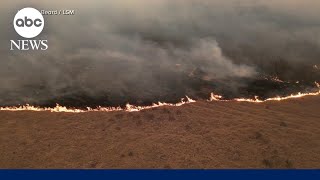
{"type": "Point", "coordinates": [145, 51]}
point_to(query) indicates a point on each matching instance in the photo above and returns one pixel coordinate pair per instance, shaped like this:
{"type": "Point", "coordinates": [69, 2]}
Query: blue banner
{"type": "Point", "coordinates": [159, 174]}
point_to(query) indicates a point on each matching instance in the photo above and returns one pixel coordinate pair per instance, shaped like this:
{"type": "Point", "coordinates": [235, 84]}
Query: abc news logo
{"type": "Point", "coordinates": [28, 23]}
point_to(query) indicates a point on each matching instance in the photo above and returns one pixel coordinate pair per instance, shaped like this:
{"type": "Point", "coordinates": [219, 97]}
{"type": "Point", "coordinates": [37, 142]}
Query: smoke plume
{"type": "Point", "coordinates": [114, 52]}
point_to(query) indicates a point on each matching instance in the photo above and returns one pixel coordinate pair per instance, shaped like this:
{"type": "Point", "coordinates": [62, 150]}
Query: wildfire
{"type": "Point", "coordinates": [128, 108]}
{"type": "Point", "coordinates": [214, 97]}
{"type": "Point", "coordinates": [133, 108]}
{"type": "Point", "coordinates": [293, 96]}
{"type": "Point", "coordinates": [274, 78]}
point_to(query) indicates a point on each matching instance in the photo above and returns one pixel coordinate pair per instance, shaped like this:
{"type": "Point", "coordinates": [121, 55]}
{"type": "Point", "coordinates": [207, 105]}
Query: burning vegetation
{"type": "Point", "coordinates": [161, 51]}
{"type": "Point", "coordinates": [132, 108]}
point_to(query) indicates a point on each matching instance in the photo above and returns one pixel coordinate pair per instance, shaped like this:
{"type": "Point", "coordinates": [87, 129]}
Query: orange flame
{"type": "Point", "coordinates": [128, 108]}
{"type": "Point", "coordinates": [292, 96]}
{"type": "Point", "coordinates": [214, 97]}
{"type": "Point", "coordinates": [133, 108]}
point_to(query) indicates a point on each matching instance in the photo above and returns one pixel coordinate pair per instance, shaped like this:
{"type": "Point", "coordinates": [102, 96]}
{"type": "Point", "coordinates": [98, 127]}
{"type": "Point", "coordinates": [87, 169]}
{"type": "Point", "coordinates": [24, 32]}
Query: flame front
{"type": "Point", "coordinates": [293, 96]}
{"type": "Point", "coordinates": [128, 108]}
{"type": "Point", "coordinates": [133, 108]}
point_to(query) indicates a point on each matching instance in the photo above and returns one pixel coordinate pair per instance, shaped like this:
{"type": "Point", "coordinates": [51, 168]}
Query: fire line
{"type": "Point", "coordinates": [133, 108]}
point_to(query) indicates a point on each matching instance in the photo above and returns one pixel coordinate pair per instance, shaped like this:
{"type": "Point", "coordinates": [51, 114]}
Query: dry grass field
{"type": "Point", "coordinates": [204, 134]}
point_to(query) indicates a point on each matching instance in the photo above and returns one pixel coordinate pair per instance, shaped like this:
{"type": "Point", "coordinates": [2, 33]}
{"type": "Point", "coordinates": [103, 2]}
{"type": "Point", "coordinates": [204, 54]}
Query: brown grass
{"type": "Point", "coordinates": [200, 135]}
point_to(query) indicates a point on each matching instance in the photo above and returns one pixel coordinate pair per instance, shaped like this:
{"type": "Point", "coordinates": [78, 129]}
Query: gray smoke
{"type": "Point", "coordinates": [144, 51]}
